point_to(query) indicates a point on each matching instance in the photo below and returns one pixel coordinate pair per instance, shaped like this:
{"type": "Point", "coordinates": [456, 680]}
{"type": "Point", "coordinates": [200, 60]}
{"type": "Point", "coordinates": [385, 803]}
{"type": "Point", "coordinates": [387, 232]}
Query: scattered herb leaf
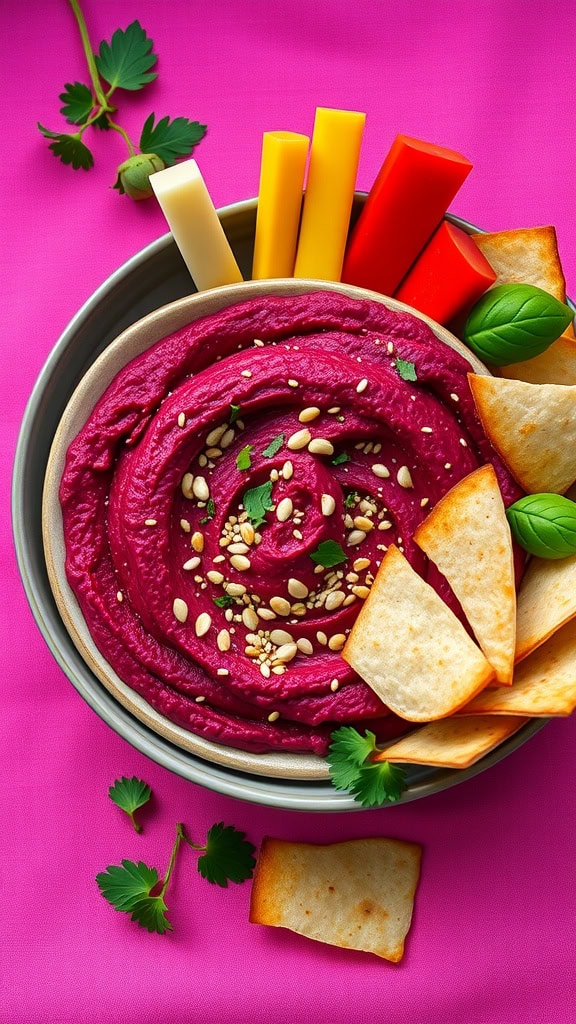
{"type": "Point", "coordinates": [129, 795]}
{"type": "Point", "coordinates": [133, 888]}
{"type": "Point", "coordinates": [340, 458]}
{"type": "Point", "coordinates": [544, 525]}
{"type": "Point", "coordinates": [210, 511]}
{"type": "Point", "coordinates": [257, 501]}
{"type": "Point", "coordinates": [350, 499]}
{"type": "Point", "coordinates": [353, 765]}
{"type": "Point", "coordinates": [273, 447]}
{"type": "Point", "coordinates": [234, 414]}
{"type": "Point", "coordinates": [328, 553]}
{"type": "Point", "coordinates": [406, 370]}
{"type": "Point", "coordinates": [514, 322]}
{"type": "Point", "coordinates": [123, 63]}
{"type": "Point", "coordinates": [243, 460]}
{"type": "Point", "coordinates": [224, 601]}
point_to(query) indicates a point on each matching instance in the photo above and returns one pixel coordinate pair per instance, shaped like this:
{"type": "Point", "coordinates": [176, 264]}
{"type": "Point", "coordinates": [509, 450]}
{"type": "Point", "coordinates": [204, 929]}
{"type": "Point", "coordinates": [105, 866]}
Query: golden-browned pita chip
{"type": "Point", "coordinates": [410, 648]}
{"type": "Point", "coordinates": [454, 742]}
{"type": "Point", "coordinates": [532, 427]}
{"type": "Point", "coordinates": [525, 256]}
{"type": "Point", "coordinates": [544, 683]}
{"type": "Point", "coordinates": [467, 536]}
{"type": "Point", "coordinates": [557, 365]}
{"type": "Point", "coordinates": [546, 600]}
{"type": "Point", "coordinates": [357, 894]}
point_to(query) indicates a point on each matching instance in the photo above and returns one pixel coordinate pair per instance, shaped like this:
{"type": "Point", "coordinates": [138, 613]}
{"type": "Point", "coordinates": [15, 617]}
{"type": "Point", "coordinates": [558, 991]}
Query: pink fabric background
{"type": "Point", "coordinates": [493, 937]}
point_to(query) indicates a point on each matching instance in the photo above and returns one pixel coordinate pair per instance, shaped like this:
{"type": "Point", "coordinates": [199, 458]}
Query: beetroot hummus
{"type": "Point", "coordinates": [230, 498]}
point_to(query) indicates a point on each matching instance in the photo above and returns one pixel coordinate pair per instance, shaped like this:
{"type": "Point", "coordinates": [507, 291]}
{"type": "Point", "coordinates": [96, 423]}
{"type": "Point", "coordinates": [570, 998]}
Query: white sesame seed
{"type": "Point", "coordinates": [227, 438]}
{"type": "Point", "coordinates": [191, 564]}
{"type": "Point", "coordinates": [284, 510]}
{"type": "Point", "coordinates": [223, 640]}
{"type": "Point", "coordinates": [186, 485]}
{"type": "Point", "coordinates": [404, 477]}
{"type": "Point", "coordinates": [336, 642]}
{"type": "Point", "coordinates": [280, 605]}
{"type": "Point", "coordinates": [328, 504]}
{"type": "Point", "coordinates": [380, 471]}
{"type": "Point", "coordinates": [215, 435]}
{"type": "Point", "coordinates": [362, 523]}
{"type": "Point", "coordinates": [322, 638]}
{"type": "Point", "coordinates": [197, 541]}
{"type": "Point", "coordinates": [292, 383]}
{"type": "Point", "coordinates": [246, 373]}
{"type": "Point", "coordinates": [356, 537]}
{"type": "Point", "coordinates": [299, 439]}
{"type": "Point", "coordinates": [281, 636]}
{"type": "Point", "coordinates": [287, 470]}
{"type": "Point", "coordinates": [334, 685]}
{"type": "Point", "coordinates": [454, 397]}
{"type": "Point", "coordinates": [334, 600]}
{"type": "Point", "coordinates": [202, 624]}
{"type": "Point", "coordinates": [385, 524]}
{"type": "Point", "coordinates": [180, 609]}
{"type": "Point", "coordinates": [426, 430]}
{"type": "Point", "coordinates": [273, 716]}
{"type": "Point", "coordinates": [250, 618]}
{"type": "Point", "coordinates": [266, 614]}
{"type": "Point", "coordinates": [321, 446]}
{"type": "Point", "coordinates": [240, 563]}
{"type": "Point", "coordinates": [238, 548]}
{"type": "Point", "coordinates": [463, 442]}
{"type": "Point", "coordinates": [181, 419]}
{"type": "Point", "coordinates": [286, 652]}
{"type": "Point", "coordinates": [309, 414]}
{"type": "Point", "coordinates": [200, 699]}
{"type": "Point", "coordinates": [297, 589]}
{"type": "Point", "coordinates": [185, 525]}
{"type": "Point", "coordinates": [119, 596]}
{"type": "Point", "coordinates": [235, 589]}
{"type": "Point", "coordinates": [200, 488]}
{"type": "Point", "coordinates": [222, 672]}
{"type": "Point", "coordinates": [214, 576]}
{"type": "Point", "coordinates": [304, 645]}
{"type": "Point", "coordinates": [150, 522]}
{"type": "Point", "coordinates": [362, 385]}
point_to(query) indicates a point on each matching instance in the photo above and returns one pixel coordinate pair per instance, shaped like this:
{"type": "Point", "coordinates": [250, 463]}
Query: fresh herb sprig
{"type": "Point", "coordinates": [130, 795]}
{"type": "Point", "coordinates": [354, 765]}
{"type": "Point", "coordinates": [123, 63]}
{"type": "Point", "coordinates": [136, 889]}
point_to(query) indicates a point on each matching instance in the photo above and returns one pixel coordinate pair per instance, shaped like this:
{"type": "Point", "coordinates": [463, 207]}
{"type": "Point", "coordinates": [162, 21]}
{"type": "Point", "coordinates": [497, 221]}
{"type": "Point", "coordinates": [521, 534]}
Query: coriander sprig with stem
{"type": "Point", "coordinates": [123, 63]}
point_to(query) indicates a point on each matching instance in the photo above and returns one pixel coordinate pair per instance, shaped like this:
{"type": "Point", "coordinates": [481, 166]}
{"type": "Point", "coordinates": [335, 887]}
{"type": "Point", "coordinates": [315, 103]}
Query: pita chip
{"type": "Point", "coordinates": [411, 649]}
{"type": "Point", "coordinates": [453, 742]}
{"type": "Point", "coordinates": [467, 536]}
{"type": "Point", "coordinates": [532, 427]}
{"type": "Point", "coordinates": [525, 256]}
{"type": "Point", "coordinates": [358, 894]}
{"type": "Point", "coordinates": [546, 600]}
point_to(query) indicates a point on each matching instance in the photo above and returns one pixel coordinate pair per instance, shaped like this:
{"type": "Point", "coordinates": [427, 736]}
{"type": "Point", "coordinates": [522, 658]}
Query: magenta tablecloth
{"type": "Point", "coordinates": [493, 937]}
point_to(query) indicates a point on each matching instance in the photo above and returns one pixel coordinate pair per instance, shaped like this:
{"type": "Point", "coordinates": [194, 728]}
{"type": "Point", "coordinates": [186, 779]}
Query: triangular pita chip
{"type": "Point", "coordinates": [454, 742]}
{"type": "Point", "coordinates": [546, 600]}
{"type": "Point", "coordinates": [532, 427]}
{"type": "Point", "coordinates": [357, 894]}
{"type": "Point", "coordinates": [411, 649]}
{"type": "Point", "coordinates": [544, 684]}
{"type": "Point", "coordinates": [467, 536]}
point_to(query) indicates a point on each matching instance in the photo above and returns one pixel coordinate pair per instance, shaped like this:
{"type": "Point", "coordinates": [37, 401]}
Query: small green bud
{"type": "Point", "coordinates": [134, 175]}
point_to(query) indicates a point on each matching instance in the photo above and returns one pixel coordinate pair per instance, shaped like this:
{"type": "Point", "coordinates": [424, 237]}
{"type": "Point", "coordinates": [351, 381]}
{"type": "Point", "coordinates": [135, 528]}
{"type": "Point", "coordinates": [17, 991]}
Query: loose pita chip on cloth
{"type": "Point", "coordinates": [454, 742]}
{"type": "Point", "coordinates": [357, 894]}
{"type": "Point", "coordinates": [544, 683]}
{"type": "Point", "coordinates": [467, 536]}
{"type": "Point", "coordinates": [530, 256]}
{"type": "Point", "coordinates": [410, 648]}
{"type": "Point", "coordinates": [546, 600]}
{"type": "Point", "coordinates": [532, 427]}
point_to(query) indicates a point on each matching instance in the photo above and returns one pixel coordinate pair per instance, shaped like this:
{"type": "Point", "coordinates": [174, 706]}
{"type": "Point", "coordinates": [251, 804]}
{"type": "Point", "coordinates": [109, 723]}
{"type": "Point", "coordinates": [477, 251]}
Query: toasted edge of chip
{"type": "Point", "coordinates": [544, 683]}
{"type": "Point", "coordinates": [557, 365]}
{"type": "Point", "coordinates": [357, 894]}
{"type": "Point", "coordinates": [525, 256]}
{"type": "Point", "coordinates": [468, 538]}
{"type": "Point", "coordinates": [532, 427]}
{"type": "Point", "coordinates": [410, 647]}
{"type": "Point", "coordinates": [453, 742]}
{"type": "Point", "coordinates": [546, 601]}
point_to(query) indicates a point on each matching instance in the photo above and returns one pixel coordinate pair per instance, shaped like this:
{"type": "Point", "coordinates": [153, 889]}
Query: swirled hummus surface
{"type": "Point", "coordinates": [229, 500]}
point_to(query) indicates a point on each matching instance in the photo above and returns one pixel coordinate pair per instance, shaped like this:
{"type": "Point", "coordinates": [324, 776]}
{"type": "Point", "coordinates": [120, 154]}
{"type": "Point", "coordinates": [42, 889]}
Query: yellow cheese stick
{"type": "Point", "coordinates": [282, 173]}
{"type": "Point", "coordinates": [330, 187]}
{"type": "Point", "coordinates": [194, 223]}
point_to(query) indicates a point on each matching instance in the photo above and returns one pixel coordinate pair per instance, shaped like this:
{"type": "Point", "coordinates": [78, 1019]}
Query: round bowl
{"type": "Point", "coordinates": [64, 395]}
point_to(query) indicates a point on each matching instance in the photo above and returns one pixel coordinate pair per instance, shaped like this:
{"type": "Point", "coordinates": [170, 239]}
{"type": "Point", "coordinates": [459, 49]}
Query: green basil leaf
{"type": "Point", "coordinates": [514, 322]}
{"type": "Point", "coordinates": [544, 525]}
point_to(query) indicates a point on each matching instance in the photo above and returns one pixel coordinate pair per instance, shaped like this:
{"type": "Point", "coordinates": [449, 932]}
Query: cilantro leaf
{"type": "Point", "coordinates": [243, 460]}
{"type": "Point", "coordinates": [126, 60]}
{"type": "Point", "coordinates": [257, 501]}
{"type": "Point", "coordinates": [78, 102]}
{"type": "Point", "coordinates": [350, 499]}
{"type": "Point", "coordinates": [353, 765]}
{"type": "Point", "coordinates": [228, 857]}
{"type": "Point", "coordinates": [274, 447]}
{"type": "Point", "coordinates": [341, 458]}
{"type": "Point", "coordinates": [210, 511]}
{"type": "Point", "coordinates": [224, 601]}
{"type": "Point", "coordinates": [125, 886]}
{"type": "Point", "coordinates": [328, 553]}
{"type": "Point", "coordinates": [69, 149]}
{"type": "Point", "coordinates": [234, 413]}
{"type": "Point", "coordinates": [150, 913]}
{"type": "Point", "coordinates": [171, 139]}
{"type": "Point", "coordinates": [406, 370]}
{"type": "Point", "coordinates": [129, 795]}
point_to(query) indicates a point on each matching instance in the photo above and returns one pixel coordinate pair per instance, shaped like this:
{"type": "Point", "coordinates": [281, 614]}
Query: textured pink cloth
{"type": "Point", "coordinates": [493, 936]}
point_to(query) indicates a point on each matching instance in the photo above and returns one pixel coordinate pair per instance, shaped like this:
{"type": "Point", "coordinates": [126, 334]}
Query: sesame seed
{"type": "Point", "coordinates": [309, 414]}
{"type": "Point", "coordinates": [384, 525]}
{"type": "Point", "coordinates": [250, 618]}
{"type": "Point", "coordinates": [334, 410]}
{"type": "Point", "coordinates": [222, 672]}
{"type": "Point", "coordinates": [280, 605]}
{"type": "Point", "coordinates": [390, 348]}
{"type": "Point", "coordinates": [180, 609]}
{"type": "Point", "coordinates": [200, 488]}
{"type": "Point", "coordinates": [197, 541]}
{"type": "Point", "coordinates": [246, 373]}
{"type": "Point", "coordinates": [356, 537]}
{"type": "Point", "coordinates": [362, 523]}
{"type": "Point", "coordinates": [362, 385]}
{"type": "Point", "coordinates": [273, 716]}
{"type": "Point", "coordinates": [321, 446]}
{"type": "Point", "coordinates": [238, 548]}
{"type": "Point", "coordinates": [191, 564]}
{"type": "Point", "coordinates": [265, 671]}
{"type": "Point", "coordinates": [404, 478]}
{"type": "Point", "coordinates": [186, 485]}
{"type": "Point", "coordinates": [215, 435]}
{"type": "Point", "coordinates": [266, 614]}
{"type": "Point", "coordinates": [322, 638]}
{"type": "Point", "coordinates": [360, 563]}
{"type": "Point", "coordinates": [240, 563]}
{"type": "Point", "coordinates": [281, 636]}
{"type": "Point", "coordinates": [297, 589]}
{"type": "Point", "coordinates": [463, 442]}
{"type": "Point", "coordinates": [200, 699]}
{"type": "Point", "coordinates": [286, 652]}
{"type": "Point", "coordinates": [235, 589]}
{"type": "Point", "coordinates": [215, 577]}
{"type": "Point", "coordinates": [150, 522]}
{"type": "Point", "coordinates": [299, 439]}
{"type": "Point", "coordinates": [185, 525]}
{"type": "Point", "coordinates": [454, 397]}
{"type": "Point", "coordinates": [334, 685]}
{"type": "Point", "coordinates": [298, 534]}
{"type": "Point", "coordinates": [336, 642]}
{"type": "Point", "coordinates": [380, 471]}
{"type": "Point", "coordinates": [223, 640]}
{"type": "Point", "coordinates": [292, 383]}
{"type": "Point", "coordinates": [181, 419]}
{"type": "Point", "coordinates": [328, 504]}
{"type": "Point", "coordinates": [334, 600]}
{"type": "Point", "coordinates": [426, 430]}
{"type": "Point", "coordinates": [119, 596]}
{"type": "Point", "coordinates": [227, 438]}
{"type": "Point", "coordinates": [304, 645]}
{"type": "Point", "coordinates": [287, 470]}
{"type": "Point", "coordinates": [202, 624]}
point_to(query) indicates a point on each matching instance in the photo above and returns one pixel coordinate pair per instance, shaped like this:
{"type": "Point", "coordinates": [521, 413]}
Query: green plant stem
{"type": "Point", "coordinates": [180, 835]}
{"type": "Point", "coordinates": [124, 134]}
{"type": "Point", "coordinates": [88, 52]}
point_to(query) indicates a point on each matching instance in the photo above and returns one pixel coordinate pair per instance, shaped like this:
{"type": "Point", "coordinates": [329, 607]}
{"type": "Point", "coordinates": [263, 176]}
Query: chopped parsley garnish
{"type": "Point", "coordinates": [406, 370]}
{"type": "Point", "coordinates": [341, 458]}
{"type": "Point", "coordinates": [350, 499]}
{"type": "Point", "coordinates": [243, 460]}
{"type": "Point", "coordinates": [129, 795]}
{"type": "Point", "coordinates": [224, 601]}
{"type": "Point", "coordinates": [227, 856]}
{"type": "Point", "coordinates": [353, 765]}
{"type": "Point", "coordinates": [273, 447]}
{"type": "Point", "coordinates": [210, 511]}
{"type": "Point", "coordinates": [328, 553]}
{"type": "Point", "coordinates": [257, 501]}
{"type": "Point", "coordinates": [234, 414]}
